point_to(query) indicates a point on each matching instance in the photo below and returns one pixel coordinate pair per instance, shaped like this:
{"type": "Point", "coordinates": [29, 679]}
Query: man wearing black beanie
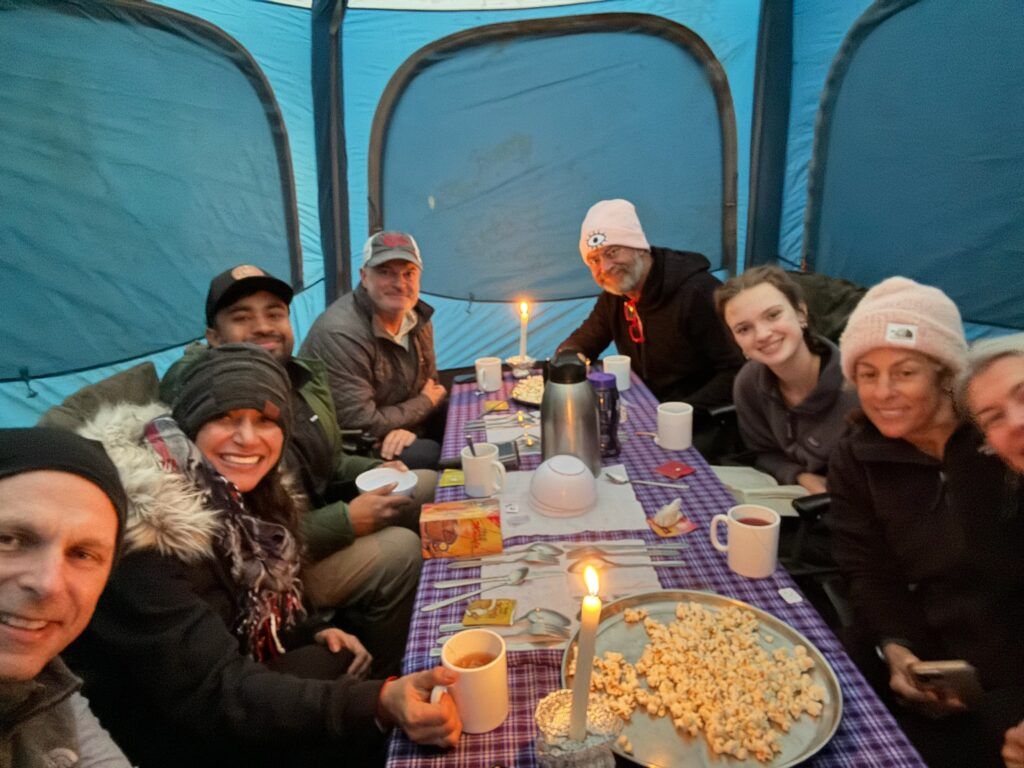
{"type": "Point", "coordinates": [62, 513]}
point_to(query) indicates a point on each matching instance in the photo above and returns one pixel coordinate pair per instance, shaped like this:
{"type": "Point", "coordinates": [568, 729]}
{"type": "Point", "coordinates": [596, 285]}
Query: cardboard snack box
{"type": "Point", "coordinates": [466, 528]}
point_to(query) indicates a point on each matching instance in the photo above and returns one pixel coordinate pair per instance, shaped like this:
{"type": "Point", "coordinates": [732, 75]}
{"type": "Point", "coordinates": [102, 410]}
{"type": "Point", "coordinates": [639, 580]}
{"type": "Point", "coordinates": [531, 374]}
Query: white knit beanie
{"type": "Point", "coordinates": [904, 314]}
{"type": "Point", "coordinates": [611, 222]}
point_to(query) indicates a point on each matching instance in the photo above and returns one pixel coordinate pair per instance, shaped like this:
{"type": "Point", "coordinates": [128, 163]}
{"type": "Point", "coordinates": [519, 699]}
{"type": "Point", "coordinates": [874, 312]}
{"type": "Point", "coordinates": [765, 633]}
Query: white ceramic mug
{"type": "Point", "coordinates": [753, 546]}
{"type": "Point", "coordinates": [619, 366]}
{"type": "Point", "coordinates": [488, 373]}
{"type": "Point", "coordinates": [481, 692]}
{"type": "Point", "coordinates": [484, 474]}
{"type": "Point", "coordinates": [675, 426]}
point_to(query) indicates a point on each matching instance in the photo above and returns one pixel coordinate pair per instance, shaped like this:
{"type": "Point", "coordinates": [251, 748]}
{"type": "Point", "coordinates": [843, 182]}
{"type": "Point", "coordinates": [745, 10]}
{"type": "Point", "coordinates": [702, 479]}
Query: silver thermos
{"type": "Point", "coordinates": [568, 413]}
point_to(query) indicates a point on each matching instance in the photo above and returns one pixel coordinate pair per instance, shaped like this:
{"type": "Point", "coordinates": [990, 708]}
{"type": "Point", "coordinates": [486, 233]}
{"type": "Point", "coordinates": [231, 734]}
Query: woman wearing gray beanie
{"type": "Point", "coordinates": [202, 651]}
{"type": "Point", "coordinates": [906, 485]}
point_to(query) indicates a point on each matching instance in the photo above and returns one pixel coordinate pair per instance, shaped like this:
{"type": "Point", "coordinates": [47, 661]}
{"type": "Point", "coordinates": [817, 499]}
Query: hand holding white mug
{"type": "Point", "coordinates": [406, 702]}
{"type": "Point", "coordinates": [479, 658]}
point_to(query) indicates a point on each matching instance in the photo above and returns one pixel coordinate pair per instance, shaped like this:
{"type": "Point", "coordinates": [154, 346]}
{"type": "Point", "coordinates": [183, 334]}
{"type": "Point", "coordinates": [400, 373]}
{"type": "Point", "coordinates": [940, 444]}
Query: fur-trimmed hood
{"type": "Point", "coordinates": [166, 512]}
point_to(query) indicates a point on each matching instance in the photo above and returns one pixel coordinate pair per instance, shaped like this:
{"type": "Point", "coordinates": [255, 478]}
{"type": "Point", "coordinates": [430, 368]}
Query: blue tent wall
{"type": "Point", "coordinates": [919, 152]}
{"type": "Point", "coordinates": [818, 31]}
{"type": "Point", "coordinates": [22, 403]}
{"type": "Point", "coordinates": [279, 38]}
{"type": "Point", "coordinates": [491, 144]}
{"type": "Point", "coordinates": [375, 43]}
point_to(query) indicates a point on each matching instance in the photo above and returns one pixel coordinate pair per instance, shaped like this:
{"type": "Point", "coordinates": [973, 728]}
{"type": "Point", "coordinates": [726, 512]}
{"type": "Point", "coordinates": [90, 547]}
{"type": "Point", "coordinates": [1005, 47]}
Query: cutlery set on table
{"type": "Point", "coordinates": [555, 567]}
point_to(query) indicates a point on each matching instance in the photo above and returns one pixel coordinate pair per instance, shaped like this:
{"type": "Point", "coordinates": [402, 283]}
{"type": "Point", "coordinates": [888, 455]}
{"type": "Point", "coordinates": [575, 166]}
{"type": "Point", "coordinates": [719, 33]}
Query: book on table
{"type": "Point", "coordinates": [752, 486]}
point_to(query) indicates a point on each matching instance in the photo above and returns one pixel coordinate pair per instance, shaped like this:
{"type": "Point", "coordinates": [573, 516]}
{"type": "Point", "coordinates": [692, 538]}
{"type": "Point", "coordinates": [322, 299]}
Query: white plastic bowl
{"type": "Point", "coordinates": [563, 486]}
{"type": "Point", "coordinates": [375, 478]}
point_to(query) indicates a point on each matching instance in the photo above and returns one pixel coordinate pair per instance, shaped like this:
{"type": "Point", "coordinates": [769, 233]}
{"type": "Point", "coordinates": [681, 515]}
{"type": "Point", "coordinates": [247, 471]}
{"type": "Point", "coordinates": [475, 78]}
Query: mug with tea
{"type": "Point", "coordinates": [488, 373]}
{"type": "Point", "coordinates": [753, 539]}
{"type": "Point", "coordinates": [484, 473]}
{"type": "Point", "coordinates": [481, 692]}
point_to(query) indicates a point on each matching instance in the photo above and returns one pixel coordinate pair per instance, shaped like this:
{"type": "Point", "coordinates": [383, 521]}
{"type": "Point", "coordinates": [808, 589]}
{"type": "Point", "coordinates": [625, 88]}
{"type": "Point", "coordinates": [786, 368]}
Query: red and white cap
{"type": "Point", "coordinates": [388, 246]}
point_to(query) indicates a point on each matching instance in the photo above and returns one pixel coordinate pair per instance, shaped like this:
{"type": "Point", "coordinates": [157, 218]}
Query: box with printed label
{"type": "Point", "coordinates": [466, 528]}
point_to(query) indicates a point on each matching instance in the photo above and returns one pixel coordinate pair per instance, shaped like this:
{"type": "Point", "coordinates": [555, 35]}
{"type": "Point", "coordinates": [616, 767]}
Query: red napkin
{"type": "Point", "coordinates": [675, 469]}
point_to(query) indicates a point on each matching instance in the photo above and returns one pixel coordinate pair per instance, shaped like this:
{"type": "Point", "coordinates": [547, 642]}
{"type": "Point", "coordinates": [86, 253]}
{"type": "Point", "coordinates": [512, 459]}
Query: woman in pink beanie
{"type": "Point", "coordinates": [906, 485]}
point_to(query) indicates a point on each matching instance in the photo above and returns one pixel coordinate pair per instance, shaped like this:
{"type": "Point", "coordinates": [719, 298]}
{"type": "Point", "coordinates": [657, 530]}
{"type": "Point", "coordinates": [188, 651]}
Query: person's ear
{"type": "Point", "coordinates": [801, 312]}
{"type": "Point", "coordinates": [213, 337]}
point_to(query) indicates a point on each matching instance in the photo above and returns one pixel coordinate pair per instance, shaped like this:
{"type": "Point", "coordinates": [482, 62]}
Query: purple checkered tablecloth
{"type": "Point", "coordinates": [867, 735]}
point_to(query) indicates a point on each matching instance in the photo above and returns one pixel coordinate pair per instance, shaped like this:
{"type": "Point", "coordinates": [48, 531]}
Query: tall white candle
{"type": "Point", "coordinates": [524, 317]}
{"type": "Point", "coordinates": [589, 619]}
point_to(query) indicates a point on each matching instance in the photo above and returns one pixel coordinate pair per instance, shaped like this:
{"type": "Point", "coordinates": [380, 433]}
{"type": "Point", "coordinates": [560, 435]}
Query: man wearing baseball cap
{"type": "Point", "coordinates": [62, 517]}
{"type": "Point", "coordinates": [366, 556]}
{"type": "Point", "coordinates": [658, 307]}
{"type": "Point", "coordinates": [378, 344]}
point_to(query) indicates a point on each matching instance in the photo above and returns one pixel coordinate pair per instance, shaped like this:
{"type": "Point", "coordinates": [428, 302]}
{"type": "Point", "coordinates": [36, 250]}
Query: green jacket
{"type": "Point", "coordinates": [328, 528]}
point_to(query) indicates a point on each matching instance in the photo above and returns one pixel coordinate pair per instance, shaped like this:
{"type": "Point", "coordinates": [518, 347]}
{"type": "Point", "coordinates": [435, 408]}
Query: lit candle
{"type": "Point", "coordinates": [589, 619]}
{"type": "Point", "coordinates": [524, 317]}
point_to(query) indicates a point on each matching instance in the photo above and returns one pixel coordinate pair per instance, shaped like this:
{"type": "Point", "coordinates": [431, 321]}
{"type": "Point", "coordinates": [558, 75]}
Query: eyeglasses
{"type": "Point", "coordinates": [636, 326]}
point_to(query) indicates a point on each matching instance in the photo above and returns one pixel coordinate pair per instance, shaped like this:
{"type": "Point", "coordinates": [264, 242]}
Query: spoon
{"type": "Point", "coordinates": [590, 551]}
{"type": "Point", "coordinates": [618, 479]}
{"type": "Point", "coordinates": [539, 630]}
{"type": "Point", "coordinates": [600, 562]}
{"type": "Point", "coordinates": [543, 616]}
{"type": "Point", "coordinates": [538, 549]}
{"type": "Point", "coordinates": [509, 581]}
{"type": "Point", "coordinates": [547, 616]}
{"type": "Point", "coordinates": [518, 573]}
{"type": "Point", "coordinates": [528, 557]}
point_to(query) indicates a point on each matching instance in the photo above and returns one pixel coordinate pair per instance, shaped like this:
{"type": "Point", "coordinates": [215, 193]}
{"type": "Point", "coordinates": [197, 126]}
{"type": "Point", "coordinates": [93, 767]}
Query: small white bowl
{"type": "Point", "coordinates": [563, 486]}
{"type": "Point", "coordinates": [375, 478]}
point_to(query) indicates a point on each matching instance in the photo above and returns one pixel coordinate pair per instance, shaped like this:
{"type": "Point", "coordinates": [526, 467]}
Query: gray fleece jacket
{"type": "Point", "coordinates": [46, 723]}
{"type": "Point", "coordinates": [375, 383]}
{"type": "Point", "coordinates": [787, 440]}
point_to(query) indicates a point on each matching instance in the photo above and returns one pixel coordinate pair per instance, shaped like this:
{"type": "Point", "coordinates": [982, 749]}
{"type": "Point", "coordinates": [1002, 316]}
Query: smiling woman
{"type": "Point", "coordinates": [914, 505]}
{"type": "Point", "coordinates": [204, 614]}
{"type": "Point", "coordinates": [992, 391]}
{"type": "Point", "coordinates": [790, 400]}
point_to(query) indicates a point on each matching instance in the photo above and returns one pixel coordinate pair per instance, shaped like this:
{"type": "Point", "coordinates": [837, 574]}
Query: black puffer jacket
{"type": "Point", "coordinates": [688, 353]}
{"type": "Point", "coordinates": [162, 668]}
{"type": "Point", "coordinates": [933, 550]}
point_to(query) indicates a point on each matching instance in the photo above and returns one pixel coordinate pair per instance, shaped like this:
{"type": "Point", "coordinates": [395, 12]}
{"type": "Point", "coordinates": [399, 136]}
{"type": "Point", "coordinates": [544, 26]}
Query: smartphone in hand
{"type": "Point", "coordinates": [956, 676]}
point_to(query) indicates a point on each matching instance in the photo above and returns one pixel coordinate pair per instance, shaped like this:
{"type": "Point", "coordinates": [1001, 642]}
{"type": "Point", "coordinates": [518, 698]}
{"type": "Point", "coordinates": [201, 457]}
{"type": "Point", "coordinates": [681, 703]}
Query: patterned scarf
{"type": "Point", "coordinates": [263, 557]}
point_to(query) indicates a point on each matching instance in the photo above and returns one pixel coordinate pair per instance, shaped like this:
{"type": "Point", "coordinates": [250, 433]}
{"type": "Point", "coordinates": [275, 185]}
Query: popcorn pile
{"type": "Point", "coordinates": [708, 672]}
{"type": "Point", "coordinates": [529, 390]}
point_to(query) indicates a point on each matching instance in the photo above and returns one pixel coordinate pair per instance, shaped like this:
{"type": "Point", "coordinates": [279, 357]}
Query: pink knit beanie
{"type": "Point", "coordinates": [611, 222]}
{"type": "Point", "coordinates": [903, 314]}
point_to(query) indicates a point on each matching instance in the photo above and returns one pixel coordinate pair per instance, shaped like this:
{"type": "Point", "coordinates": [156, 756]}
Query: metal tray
{"type": "Point", "coordinates": [655, 741]}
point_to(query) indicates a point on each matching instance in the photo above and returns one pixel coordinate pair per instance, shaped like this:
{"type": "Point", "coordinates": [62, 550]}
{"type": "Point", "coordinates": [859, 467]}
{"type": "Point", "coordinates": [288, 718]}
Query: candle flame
{"type": "Point", "coordinates": [524, 309]}
{"type": "Point", "coordinates": [590, 576]}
